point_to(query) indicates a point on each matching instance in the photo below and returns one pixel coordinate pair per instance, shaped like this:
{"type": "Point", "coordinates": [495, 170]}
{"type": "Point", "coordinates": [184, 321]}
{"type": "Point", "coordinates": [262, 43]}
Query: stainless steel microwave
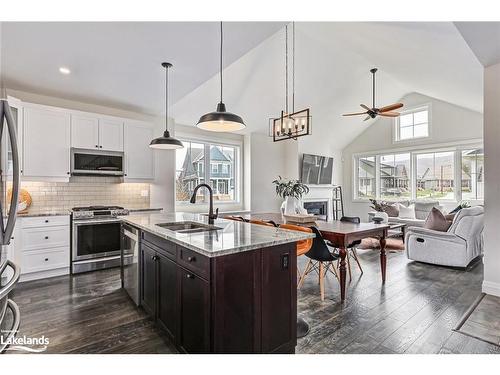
{"type": "Point", "coordinates": [96, 162]}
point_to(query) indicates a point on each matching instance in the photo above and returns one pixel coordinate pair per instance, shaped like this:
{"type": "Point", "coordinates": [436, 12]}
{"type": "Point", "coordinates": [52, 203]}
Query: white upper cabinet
{"type": "Point", "coordinates": [111, 135]}
{"type": "Point", "coordinates": [92, 132]}
{"type": "Point", "coordinates": [84, 131]}
{"type": "Point", "coordinates": [46, 133]}
{"type": "Point", "coordinates": [139, 157]}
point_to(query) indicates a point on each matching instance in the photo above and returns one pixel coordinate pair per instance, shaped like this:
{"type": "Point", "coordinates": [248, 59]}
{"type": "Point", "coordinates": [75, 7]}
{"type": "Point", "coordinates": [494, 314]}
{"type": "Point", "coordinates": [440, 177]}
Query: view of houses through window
{"type": "Point", "coordinates": [201, 162]}
{"type": "Point", "coordinates": [390, 176]}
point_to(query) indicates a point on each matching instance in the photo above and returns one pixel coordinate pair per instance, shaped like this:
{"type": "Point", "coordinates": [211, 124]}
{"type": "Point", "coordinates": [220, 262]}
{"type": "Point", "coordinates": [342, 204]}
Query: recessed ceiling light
{"type": "Point", "coordinates": [64, 70]}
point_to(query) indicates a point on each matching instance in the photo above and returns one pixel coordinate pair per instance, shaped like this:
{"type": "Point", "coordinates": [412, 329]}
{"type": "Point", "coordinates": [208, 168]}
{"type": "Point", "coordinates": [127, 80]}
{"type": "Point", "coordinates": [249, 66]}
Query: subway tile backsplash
{"type": "Point", "coordinates": [86, 191]}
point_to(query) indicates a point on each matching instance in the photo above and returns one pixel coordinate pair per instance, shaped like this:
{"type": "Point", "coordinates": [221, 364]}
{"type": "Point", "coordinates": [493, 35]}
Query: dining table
{"type": "Point", "coordinates": [340, 234]}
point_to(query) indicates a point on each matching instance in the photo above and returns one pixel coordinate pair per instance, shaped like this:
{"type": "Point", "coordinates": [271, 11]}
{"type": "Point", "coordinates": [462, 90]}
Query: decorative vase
{"type": "Point", "coordinates": [291, 205]}
{"type": "Point", "coordinates": [383, 216]}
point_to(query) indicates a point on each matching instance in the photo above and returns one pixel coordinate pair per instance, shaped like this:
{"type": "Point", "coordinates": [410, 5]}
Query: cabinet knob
{"type": "Point", "coordinates": [191, 259]}
{"type": "Point", "coordinates": [46, 221]}
{"type": "Point", "coordinates": [67, 173]}
{"type": "Point", "coordinates": [154, 257]}
{"type": "Point", "coordinates": [46, 259]}
{"type": "Point", "coordinates": [46, 237]}
{"type": "Point", "coordinates": [96, 146]}
{"type": "Point", "coordinates": [190, 276]}
{"type": "Point", "coordinates": [100, 146]}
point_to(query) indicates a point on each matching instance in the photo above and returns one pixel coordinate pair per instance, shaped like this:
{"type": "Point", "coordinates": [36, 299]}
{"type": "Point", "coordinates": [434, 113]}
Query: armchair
{"type": "Point", "coordinates": [457, 247]}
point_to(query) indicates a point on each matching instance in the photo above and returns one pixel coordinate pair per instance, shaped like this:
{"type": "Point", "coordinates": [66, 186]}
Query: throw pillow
{"type": "Point", "coordinates": [450, 217]}
{"type": "Point", "coordinates": [407, 212]}
{"type": "Point", "coordinates": [437, 221]}
{"type": "Point", "coordinates": [392, 210]}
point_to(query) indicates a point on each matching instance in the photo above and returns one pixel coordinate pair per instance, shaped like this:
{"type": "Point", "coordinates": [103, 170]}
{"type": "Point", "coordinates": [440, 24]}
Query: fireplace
{"type": "Point", "coordinates": [318, 208]}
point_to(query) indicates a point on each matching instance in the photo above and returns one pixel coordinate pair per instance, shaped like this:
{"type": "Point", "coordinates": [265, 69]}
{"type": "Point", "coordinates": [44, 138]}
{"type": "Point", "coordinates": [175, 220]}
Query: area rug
{"type": "Point", "coordinates": [391, 244]}
{"type": "Point", "coordinates": [481, 321]}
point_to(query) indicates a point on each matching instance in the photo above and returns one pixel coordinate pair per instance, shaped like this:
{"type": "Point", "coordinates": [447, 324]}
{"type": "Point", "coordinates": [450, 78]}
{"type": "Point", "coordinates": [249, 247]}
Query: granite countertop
{"type": "Point", "coordinates": [44, 212]}
{"type": "Point", "coordinates": [232, 237]}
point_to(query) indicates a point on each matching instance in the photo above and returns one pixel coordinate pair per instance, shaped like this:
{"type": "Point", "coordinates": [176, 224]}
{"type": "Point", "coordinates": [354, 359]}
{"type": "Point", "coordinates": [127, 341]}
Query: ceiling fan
{"type": "Point", "coordinates": [387, 111]}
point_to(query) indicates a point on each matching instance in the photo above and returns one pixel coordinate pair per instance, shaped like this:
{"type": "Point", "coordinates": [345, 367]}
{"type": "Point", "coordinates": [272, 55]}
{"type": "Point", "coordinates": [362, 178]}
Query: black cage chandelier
{"type": "Point", "coordinates": [294, 124]}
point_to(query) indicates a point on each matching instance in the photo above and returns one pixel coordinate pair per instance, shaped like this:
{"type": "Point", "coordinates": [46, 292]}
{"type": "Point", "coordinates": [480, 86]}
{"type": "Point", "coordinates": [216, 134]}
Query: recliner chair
{"type": "Point", "coordinates": [456, 247]}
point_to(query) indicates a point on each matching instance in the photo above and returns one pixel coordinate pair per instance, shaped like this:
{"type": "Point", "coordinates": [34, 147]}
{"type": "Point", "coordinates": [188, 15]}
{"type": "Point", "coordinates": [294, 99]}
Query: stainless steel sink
{"type": "Point", "coordinates": [188, 227]}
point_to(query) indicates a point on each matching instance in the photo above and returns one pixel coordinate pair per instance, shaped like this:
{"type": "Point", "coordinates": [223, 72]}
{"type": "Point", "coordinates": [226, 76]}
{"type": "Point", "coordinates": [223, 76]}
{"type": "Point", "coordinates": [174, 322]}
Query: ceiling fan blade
{"type": "Point", "coordinates": [391, 107]}
{"type": "Point", "coordinates": [365, 107]}
{"type": "Point", "coordinates": [354, 114]}
{"type": "Point", "coordinates": [389, 114]}
{"type": "Point", "coordinates": [367, 118]}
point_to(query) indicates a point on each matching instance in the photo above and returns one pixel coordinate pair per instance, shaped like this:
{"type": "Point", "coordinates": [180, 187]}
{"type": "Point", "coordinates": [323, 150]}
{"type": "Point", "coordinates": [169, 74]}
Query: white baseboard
{"type": "Point", "coordinates": [492, 288]}
{"type": "Point", "coordinates": [44, 274]}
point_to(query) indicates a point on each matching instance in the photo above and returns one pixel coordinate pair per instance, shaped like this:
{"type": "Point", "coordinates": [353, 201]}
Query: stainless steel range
{"type": "Point", "coordinates": [96, 237]}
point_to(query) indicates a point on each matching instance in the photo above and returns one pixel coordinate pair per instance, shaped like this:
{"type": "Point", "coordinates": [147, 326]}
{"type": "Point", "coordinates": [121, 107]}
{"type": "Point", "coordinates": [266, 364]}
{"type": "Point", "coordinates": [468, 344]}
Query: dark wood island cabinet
{"type": "Point", "coordinates": [244, 302]}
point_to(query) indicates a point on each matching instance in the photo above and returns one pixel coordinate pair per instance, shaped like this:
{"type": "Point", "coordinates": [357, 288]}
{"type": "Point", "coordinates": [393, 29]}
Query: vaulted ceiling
{"type": "Point", "coordinates": [118, 64]}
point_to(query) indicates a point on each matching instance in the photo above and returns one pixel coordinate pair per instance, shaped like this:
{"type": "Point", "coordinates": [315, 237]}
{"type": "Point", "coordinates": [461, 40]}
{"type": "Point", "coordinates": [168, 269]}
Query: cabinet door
{"type": "Point", "coordinates": [138, 154]}
{"type": "Point", "coordinates": [279, 298]}
{"type": "Point", "coordinates": [167, 286]}
{"type": "Point", "coordinates": [194, 309]}
{"type": "Point", "coordinates": [110, 135]}
{"type": "Point", "coordinates": [148, 285]}
{"type": "Point", "coordinates": [46, 142]}
{"type": "Point", "coordinates": [84, 132]}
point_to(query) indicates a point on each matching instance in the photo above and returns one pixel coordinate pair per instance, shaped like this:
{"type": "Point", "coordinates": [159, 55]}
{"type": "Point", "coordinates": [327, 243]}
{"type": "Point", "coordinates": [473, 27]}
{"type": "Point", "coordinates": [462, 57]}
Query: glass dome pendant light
{"type": "Point", "coordinates": [221, 120]}
{"type": "Point", "coordinates": [166, 142]}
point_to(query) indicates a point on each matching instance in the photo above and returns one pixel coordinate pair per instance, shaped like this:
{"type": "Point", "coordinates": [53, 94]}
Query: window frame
{"type": "Point", "coordinates": [457, 148]}
{"type": "Point", "coordinates": [396, 129]}
{"type": "Point", "coordinates": [238, 171]}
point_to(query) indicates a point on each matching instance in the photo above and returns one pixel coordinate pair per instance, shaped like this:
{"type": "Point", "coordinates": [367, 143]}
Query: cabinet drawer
{"type": "Point", "coordinates": [44, 221]}
{"type": "Point", "coordinates": [159, 244]}
{"type": "Point", "coordinates": [194, 262]}
{"type": "Point", "coordinates": [44, 238]}
{"type": "Point", "coordinates": [43, 260]}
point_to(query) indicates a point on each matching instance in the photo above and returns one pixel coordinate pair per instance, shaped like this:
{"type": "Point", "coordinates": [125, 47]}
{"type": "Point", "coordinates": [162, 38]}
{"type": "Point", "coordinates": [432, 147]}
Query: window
{"type": "Point", "coordinates": [395, 176]}
{"type": "Point", "coordinates": [412, 124]}
{"type": "Point", "coordinates": [472, 172]}
{"type": "Point", "coordinates": [198, 162]}
{"type": "Point", "coordinates": [223, 180]}
{"type": "Point", "coordinates": [455, 173]}
{"type": "Point", "coordinates": [189, 171]}
{"type": "Point", "coordinates": [435, 175]}
{"type": "Point", "coordinates": [366, 177]}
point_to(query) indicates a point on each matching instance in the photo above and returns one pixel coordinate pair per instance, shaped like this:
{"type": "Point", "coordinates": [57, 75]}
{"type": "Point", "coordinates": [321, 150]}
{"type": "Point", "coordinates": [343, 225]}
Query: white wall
{"type": "Point", "coordinates": [449, 123]}
{"type": "Point", "coordinates": [491, 283]}
{"type": "Point", "coordinates": [267, 161]}
{"type": "Point", "coordinates": [162, 189]}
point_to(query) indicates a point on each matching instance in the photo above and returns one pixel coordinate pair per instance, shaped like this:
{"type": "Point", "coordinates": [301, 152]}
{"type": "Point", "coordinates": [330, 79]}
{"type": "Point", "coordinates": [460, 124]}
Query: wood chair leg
{"type": "Point", "coordinates": [306, 271]}
{"type": "Point", "coordinates": [349, 265]}
{"type": "Point", "coordinates": [355, 255]}
{"type": "Point", "coordinates": [321, 281]}
{"type": "Point", "coordinates": [333, 269]}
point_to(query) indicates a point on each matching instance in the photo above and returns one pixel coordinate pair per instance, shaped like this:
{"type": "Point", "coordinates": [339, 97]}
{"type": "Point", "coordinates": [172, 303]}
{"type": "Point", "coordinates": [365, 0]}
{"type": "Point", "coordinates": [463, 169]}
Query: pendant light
{"type": "Point", "coordinates": [166, 142]}
{"type": "Point", "coordinates": [291, 124]}
{"type": "Point", "coordinates": [220, 120]}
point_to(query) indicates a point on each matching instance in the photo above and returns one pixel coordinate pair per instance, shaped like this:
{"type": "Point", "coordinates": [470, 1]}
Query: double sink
{"type": "Point", "coordinates": [188, 227]}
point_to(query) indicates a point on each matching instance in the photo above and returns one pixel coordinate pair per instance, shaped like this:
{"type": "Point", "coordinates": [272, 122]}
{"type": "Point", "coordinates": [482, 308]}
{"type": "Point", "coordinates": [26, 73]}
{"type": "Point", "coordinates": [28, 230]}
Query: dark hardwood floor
{"type": "Point", "coordinates": [413, 313]}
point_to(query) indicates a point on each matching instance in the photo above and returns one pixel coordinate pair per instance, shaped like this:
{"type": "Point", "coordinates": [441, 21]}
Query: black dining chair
{"type": "Point", "coordinates": [351, 249]}
{"type": "Point", "coordinates": [320, 260]}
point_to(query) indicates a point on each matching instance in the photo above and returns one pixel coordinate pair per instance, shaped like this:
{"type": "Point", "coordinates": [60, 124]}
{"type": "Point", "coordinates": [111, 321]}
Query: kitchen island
{"type": "Point", "coordinates": [229, 287]}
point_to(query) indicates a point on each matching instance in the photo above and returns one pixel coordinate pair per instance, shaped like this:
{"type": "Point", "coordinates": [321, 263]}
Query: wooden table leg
{"type": "Point", "coordinates": [342, 253]}
{"type": "Point", "coordinates": [383, 258]}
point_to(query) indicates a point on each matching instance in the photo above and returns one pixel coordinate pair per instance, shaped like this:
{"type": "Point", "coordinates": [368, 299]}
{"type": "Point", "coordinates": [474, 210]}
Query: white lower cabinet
{"type": "Point", "coordinates": [43, 246]}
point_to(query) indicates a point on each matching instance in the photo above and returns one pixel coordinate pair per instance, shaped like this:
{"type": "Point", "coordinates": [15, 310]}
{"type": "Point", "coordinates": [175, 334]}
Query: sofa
{"type": "Point", "coordinates": [422, 210]}
{"type": "Point", "coordinates": [456, 247]}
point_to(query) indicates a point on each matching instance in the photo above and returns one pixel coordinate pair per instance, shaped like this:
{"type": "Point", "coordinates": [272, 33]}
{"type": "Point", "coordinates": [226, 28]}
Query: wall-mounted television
{"type": "Point", "coordinates": [316, 170]}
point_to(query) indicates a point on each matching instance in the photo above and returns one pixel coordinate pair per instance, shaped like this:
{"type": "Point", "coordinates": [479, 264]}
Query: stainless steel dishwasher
{"type": "Point", "coordinates": [130, 261]}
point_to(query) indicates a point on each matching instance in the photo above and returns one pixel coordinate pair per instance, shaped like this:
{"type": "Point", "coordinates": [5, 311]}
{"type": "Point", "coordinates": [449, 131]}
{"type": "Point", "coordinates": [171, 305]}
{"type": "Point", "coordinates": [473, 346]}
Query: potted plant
{"type": "Point", "coordinates": [291, 191]}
